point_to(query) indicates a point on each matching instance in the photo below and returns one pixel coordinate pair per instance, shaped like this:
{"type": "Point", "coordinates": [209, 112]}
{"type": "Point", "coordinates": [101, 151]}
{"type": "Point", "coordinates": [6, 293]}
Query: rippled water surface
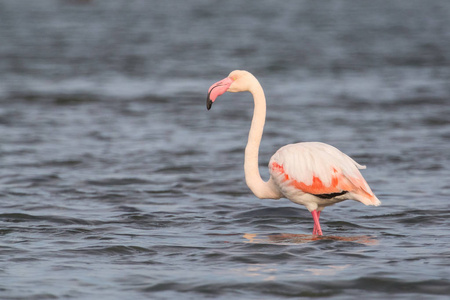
{"type": "Point", "coordinates": [116, 183]}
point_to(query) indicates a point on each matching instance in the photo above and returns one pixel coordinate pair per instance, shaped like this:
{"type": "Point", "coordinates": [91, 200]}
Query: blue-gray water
{"type": "Point", "coordinates": [116, 183]}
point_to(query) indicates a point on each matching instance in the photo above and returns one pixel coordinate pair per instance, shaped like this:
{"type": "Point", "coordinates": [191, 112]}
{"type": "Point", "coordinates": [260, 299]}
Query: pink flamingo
{"type": "Point", "coordinates": [313, 174]}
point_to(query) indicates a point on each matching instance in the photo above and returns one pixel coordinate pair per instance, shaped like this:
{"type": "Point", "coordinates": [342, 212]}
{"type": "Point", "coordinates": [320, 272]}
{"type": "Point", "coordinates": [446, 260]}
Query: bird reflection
{"type": "Point", "coordinates": [290, 238]}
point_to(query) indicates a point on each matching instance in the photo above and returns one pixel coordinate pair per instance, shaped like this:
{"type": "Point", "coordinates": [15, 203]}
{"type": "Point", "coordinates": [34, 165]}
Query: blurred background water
{"type": "Point", "coordinates": [116, 183]}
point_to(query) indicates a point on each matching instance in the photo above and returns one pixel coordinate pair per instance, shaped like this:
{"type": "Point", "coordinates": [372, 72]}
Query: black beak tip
{"type": "Point", "coordinates": [208, 103]}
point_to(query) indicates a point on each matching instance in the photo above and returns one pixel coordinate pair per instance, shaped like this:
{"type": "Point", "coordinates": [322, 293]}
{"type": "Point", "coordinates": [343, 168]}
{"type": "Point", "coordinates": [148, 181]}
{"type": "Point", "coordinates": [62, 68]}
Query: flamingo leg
{"type": "Point", "coordinates": [317, 230]}
{"type": "Point", "coordinates": [318, 217]}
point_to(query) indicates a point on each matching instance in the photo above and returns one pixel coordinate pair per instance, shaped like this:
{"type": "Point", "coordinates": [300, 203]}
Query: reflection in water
{"type": "Point", "coordinates": [271, 272]}
{"type": "Point", "coordinates": [328, 270]}
{"type": "Point", "coordinates": [290, 238]}
{"type": "Point", "coordinates": [266, 272]}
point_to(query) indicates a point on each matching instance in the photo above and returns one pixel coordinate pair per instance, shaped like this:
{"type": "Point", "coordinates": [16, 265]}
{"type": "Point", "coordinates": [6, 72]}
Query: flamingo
{"type": "Point", "coordinates": [312, 174]}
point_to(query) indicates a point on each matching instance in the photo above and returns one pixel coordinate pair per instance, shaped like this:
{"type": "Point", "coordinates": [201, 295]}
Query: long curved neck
{"type": "Point", "coordinates": [257, 185]}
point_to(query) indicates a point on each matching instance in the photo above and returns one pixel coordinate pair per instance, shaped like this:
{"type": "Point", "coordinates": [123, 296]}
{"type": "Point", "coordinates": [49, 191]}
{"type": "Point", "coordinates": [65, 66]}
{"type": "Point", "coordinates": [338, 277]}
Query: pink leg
{"type": "Point", "coordinates": [317, 230]}
{"type": "Point", "coordinates": [318, 217]}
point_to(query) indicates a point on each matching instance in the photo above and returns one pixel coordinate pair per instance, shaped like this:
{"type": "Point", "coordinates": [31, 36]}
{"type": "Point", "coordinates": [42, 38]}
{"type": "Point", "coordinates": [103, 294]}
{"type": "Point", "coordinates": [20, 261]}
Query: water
{"type": "Point", "coordinates": [116, 183]}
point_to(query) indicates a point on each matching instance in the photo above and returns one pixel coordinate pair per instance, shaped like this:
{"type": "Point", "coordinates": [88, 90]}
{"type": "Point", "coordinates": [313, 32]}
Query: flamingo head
{"type": "Point", "coordinates": [237, 81]}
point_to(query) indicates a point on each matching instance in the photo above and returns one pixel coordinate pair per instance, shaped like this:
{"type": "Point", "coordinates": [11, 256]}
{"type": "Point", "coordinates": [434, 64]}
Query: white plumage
{"type": "Point", "coordinates": [306, 169]}
{"type": "Point", "coordinates": [302, 160]}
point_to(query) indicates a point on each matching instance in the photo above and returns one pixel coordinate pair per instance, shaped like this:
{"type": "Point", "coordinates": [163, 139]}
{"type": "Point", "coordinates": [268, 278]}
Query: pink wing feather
{"type": "Point", "coordinates": [318, 168]}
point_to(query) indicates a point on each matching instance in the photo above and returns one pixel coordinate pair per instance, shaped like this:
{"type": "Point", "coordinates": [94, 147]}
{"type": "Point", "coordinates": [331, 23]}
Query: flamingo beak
{"type": "Point", "coordinates": [216, 90]}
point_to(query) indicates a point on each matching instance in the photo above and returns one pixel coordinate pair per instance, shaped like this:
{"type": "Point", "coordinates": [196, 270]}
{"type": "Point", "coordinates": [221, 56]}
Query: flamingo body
{"type": "Point", "coordinates": [313, 174]}
{"type": "Point", "coordinates": [317, 175]}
